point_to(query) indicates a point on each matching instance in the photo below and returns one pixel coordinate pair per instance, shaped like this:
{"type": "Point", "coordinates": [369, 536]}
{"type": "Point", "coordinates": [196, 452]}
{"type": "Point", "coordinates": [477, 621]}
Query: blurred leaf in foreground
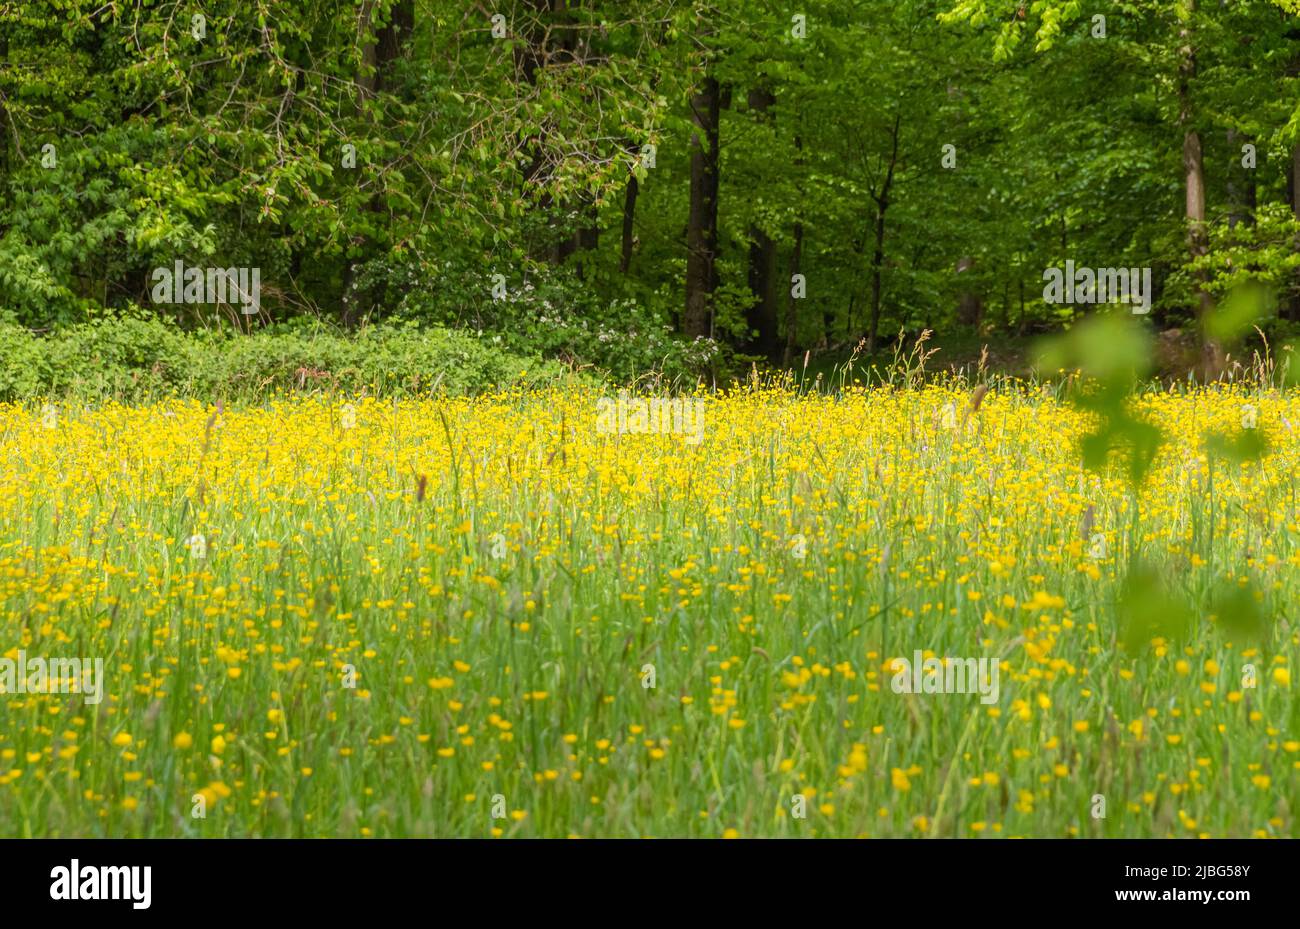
{"type": "Point", "coordinates": [1237, 609]}
{"type": "Point", "coordinates": [1111, 352]}
{"type": "Point", "coordinates": [1237, 447]}
{"type": "Point", "coordinates": [1244, 307]}
{"type": "Point", "coordinates": [1149, 608]}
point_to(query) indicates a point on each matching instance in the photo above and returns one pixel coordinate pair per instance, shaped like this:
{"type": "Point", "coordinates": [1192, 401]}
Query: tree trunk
{"type": "Point", "coordinates": [1295, 212]}
{"type": "Point", "coordinates": [796, 267]}
{"type": "Point", "coordinates": [392, 38]}
{"type": "Point", "coordinates": [4, 142]}
{"type": "Point", "coordinates": [970, 308]}
{"type": "Point", "coordinates": [702, 223]}
{"type": "Point", "coordinates": [762, 317]}
{"type": "Point", "coordinates": [878, 257]}
{"type": "Point", "coordinates": [1197, 236]}
{"type": "Point", "coordinates": [1193, 165]}
{"type": "Point", "coordinates": [1021, 323]}
{"type": "Point", "coordinates": [629, 212]}
{"type": "Point", "coordinates": [1293, 189]}
{"type": "Point", "coordinates": [547, 37]}
{"type": "Point", "coordinates": [792, 305]}
{"type": "Point", "coordinates": [763, 311]}
{"type": "Point", "coordinates": [587, 238]}
{"type": "Point", "coordinates": [379, 56]}
{"type": "Point", "coordinates": [877, 262]}
{"type": "Point", "coordinates": [1241, 184]}
{"type": "Point", "coordinates": [1295, 182]}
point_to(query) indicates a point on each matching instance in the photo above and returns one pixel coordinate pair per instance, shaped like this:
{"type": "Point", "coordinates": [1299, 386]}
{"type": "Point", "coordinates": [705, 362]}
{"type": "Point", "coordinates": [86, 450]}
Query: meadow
{"type": "Point", "coordinates": [351, 616]}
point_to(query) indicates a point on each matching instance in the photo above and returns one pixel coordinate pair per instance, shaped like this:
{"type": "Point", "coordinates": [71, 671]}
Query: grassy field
{"type": "Point", "coordinates": [487, 617]}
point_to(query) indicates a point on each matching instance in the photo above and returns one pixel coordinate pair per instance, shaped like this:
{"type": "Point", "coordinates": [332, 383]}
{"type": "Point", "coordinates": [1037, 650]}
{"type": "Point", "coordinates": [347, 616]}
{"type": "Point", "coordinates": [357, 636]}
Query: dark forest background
{"type": "Point", "coordinates": [647, 185]}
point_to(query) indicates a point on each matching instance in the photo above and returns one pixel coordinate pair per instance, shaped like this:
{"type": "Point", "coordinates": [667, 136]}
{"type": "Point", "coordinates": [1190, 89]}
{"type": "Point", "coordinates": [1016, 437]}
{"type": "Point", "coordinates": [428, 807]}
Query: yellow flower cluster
{"type": "Point", "coordinates": [488, 617]}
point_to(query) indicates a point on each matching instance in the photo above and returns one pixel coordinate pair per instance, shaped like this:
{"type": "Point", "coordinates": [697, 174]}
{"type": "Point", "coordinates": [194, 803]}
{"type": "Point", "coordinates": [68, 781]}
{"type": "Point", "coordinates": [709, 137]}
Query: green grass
{"type": "Point", "coordinates": [334, 550]}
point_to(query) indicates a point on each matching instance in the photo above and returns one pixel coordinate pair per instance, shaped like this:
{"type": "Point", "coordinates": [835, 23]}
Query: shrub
{"type": "Point", "coordinates": [132, 358]}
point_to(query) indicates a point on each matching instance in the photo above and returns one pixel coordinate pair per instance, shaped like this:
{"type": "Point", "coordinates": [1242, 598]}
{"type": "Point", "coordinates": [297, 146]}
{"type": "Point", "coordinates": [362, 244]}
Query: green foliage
{"type": "Point", "coordinates": [380, 162]}
{"type": "Point", "coordinates": [134, 359]}
{"type": "Point", "coordinates": [552, 312]}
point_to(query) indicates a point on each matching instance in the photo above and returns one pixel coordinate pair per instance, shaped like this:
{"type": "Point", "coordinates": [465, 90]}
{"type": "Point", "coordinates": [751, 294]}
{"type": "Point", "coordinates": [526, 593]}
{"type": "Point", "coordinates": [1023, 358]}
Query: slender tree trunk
{"type": "Point", "coordinates": [1290, 304]}
{"type": "Point", "coordinates": [1197, 235]}
{"type": "Point", "coordinates": [792, 305]}
{"type": "Point", "coordinates": [970, 306]}
{"type": "Point", "coordinates": [1293, 189]}
{"type": "Point", "coordinates": [544, 38]}
{"type": "Point", "coordinates": [796, 267]}
{"type": "Point", "coordinates": [762, 284]}
{"type": "Point", "coordinates": [762, 316]}
{"type": "Point", "coordinates": [4, 142]}
{"type": "Point", "coordinates": [1295, 182]}
{"type": "Point", "coordinates": [367, 82]}
{"type": "Point", "coordinates": [702, 222]}
{"type": "Point", "coordinates": [877, 263]}
{"type": "Point", "coordinates": [1295, 212]}
{"type": "Point", "coordinates": [1193, 164]}
{"type": "Point", "coordinates": [587, 238]}
{"type": "Point", "coordinates": [878, 257]}
{"type": "Point", "coordinates": [379, 57]}
{"type": "Point", "coordinates": [629, 213]}
{"type": "Point", "coordinates": [1240, 184]}
{"type": "Point", "coordinates": [391, 39]}
{"type": "Point", "coordinates": [1251, 198]}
